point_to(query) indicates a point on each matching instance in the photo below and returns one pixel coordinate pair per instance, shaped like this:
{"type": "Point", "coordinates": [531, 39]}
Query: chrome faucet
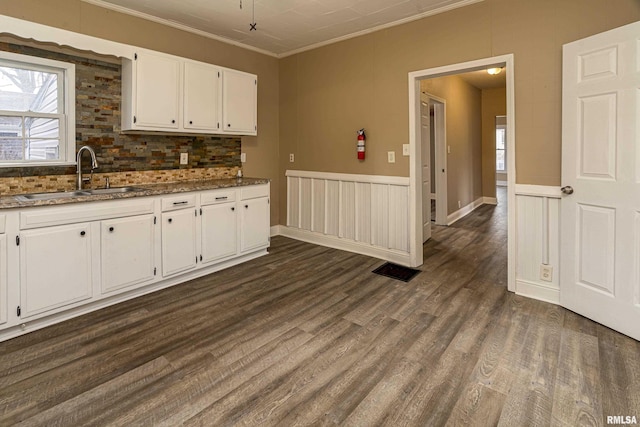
{"type": "Point", "coordinates": [94, 165]}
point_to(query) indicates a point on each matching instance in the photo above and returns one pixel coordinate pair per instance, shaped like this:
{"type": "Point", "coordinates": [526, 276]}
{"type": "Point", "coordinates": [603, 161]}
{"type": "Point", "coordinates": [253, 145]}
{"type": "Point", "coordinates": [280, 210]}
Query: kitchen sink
{"type": "Point", "coordinates": [115, 190]}
{"type": "Point", "coordinates": [50, 196]}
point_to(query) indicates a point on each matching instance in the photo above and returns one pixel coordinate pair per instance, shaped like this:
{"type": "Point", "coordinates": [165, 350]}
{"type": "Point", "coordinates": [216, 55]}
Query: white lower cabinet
{"type": "Point", "coordinates": [178, 241]}
{"type": "Point", "coordinates": [55, 268]}
{"type": "Point", "coordinates": [219, 231]}
{"type": "Point", "coordinates": [127, 252]}
{"type": "Point", "coordinates": [70, 259]}
{"type": "Point", "coordinates": [3, 279]}
{"type": "Point", "coordinates": [254, 224]}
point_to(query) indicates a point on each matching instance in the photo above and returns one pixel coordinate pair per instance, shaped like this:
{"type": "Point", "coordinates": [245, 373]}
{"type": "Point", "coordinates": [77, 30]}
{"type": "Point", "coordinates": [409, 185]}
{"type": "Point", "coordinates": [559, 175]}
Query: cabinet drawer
{"type": "Point", "coordinates": [213, 197]}
{"type": "Point", "coordinates": [254, 191]}
{"type": "Point", "coordinates": [178, 202]}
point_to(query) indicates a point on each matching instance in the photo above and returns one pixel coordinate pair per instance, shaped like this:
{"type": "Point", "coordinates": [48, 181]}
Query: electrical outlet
{"type": "Point", "coordinates": [391, 156]}
{"type": "Point", "coordinates": [448, 149]}
{"type": "Point", "coordinates": [405, 149]}
{"type": "Point", "coordinates": [292, 158]}
{"type": "Point", "coordinates": [184, 158]}
{"type": "Point", "coordinates": [546, 273]}
{"type": "Point", "coordinates": [459, 204]}
{"type": "Point", "coordinates": [243, 157]}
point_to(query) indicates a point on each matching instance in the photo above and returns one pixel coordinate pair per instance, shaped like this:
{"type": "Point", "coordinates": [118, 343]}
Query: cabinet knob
{"type": "Point", "coordinates": [246, 206]}
{"type": "Point", "coordinates": [82, 233]}
{"type": "Point", "coordinates": [228, 125]}
{"type": "Point", "coordinates": [111, 229]}
{"type": "Point", "coordinates": [233, 209]}
{"type": "Point", "coordinates": [173, 121]}
{"type": "Point", "coordinates": [190, 122]}
{"type": "Point", "coordinates": [170, 220]}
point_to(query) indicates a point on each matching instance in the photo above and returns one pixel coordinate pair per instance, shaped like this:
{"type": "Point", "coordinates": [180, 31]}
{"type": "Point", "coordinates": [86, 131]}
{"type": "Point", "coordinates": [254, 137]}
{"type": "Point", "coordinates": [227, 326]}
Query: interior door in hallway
{"type": "Point", "coordinates": [425, 136]}
{"type": "Point", "coordinates": [600, 210]}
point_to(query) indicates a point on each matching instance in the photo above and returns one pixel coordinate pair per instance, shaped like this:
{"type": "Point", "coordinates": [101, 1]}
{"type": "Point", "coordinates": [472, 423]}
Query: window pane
{"type": "Point", "coordinates": [28, 90]}
{"type": "Point", "coordinates": [500, 138]}
{"type": "Point", "coordinates": [500, 160]}
{"type": "Point", "coordinates": [10, 126]}
{"type": "Point", "coordinates": [10, 149]}
{"type": "Point", "coordinates": [42, 149]}
{"type": "Point", "coordinates": [42, 128]}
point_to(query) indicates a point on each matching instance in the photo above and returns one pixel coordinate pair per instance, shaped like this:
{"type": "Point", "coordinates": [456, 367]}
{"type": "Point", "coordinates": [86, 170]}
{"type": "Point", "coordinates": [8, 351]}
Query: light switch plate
{"type": "Point", "coordinates": [391, 156]}
{"type": "Point", "coordinates": [243, 157]}
{"type": "Point", "coordinates": [291, 158]}
{"type": "Point", "coordinates": [405, 149]}
{"type": "Point", "coordinates": [184, 158]}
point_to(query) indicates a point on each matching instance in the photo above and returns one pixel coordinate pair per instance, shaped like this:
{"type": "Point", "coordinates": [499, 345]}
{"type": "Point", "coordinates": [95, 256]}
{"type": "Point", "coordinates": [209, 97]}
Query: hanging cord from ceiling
{"type": "Point", "coordinates": [253, 24]}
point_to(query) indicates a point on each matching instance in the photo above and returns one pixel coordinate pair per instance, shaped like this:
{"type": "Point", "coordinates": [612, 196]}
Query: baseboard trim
{"type": "Point", "coordinates": [489, 200]}
{"type": "Point", "coordinates": [398, 257]}
{"type": "Point", "coordinates": [275, 230]}
{"type": "Point", "coordinates": [537, 291]}
{"type": "Point", "coordinates": [464, 211]}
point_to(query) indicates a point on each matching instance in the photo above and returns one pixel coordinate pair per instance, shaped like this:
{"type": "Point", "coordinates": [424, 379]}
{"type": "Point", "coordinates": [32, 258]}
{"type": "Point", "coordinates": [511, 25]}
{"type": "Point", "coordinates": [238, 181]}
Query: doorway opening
{"type": "Point", "coordinates": [417, 167]}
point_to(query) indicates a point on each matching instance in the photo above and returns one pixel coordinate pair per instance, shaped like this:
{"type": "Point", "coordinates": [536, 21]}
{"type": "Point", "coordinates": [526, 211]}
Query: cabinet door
{"type": "Point", "coordinates": [178, 241]}
{"type": "Point", "coordinates": [157, 91]}
{"type": "Point", "coordinates": [254, 224]}
{"type": "Point", "coordinates": [239, 102]}
{"type": "Point", "coordinates": [55, 268]}
{"type": "Point", "coordinates": [219, 231]}
{"type": "Point", "coordinates": [201, 96]}
{"type": "Point", "coordinates": [3, 279]}
{"type": "Point", "coordinates": [127, 252]}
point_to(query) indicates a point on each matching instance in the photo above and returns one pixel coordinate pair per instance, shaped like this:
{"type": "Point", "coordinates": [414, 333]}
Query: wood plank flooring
{"type": "Point", "coordinates": [309, 336]}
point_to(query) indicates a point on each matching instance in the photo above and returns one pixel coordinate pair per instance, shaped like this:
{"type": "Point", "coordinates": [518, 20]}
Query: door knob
{"type": "Point", "coordinates": [567, 189]}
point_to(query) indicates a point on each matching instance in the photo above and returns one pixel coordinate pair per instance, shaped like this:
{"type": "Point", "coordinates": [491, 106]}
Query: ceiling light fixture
{"type": "Point", "coordinates": [494, 71]}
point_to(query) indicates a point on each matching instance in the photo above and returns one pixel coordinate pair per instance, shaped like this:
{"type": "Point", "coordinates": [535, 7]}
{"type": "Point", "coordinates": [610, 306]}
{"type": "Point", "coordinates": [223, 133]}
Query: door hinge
{"type": "Point", "coordinates": [154, 220]}
{"type": "Point", "coordinates": [218, 74]}
{"type": "Point", "coordinates": [17, 240]}
{"type": "Point", "coordinates": [18, 311]}
{"type": "Point", "coordinates": [134, 119]}
{"type": "Point", "coordinates": [135, 56]}
{"type": "Point", "coordinates": [154, 270]}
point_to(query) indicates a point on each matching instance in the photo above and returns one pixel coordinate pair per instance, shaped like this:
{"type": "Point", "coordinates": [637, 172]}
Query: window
{"type": "Point", "coordinates": [501, 144]}
{"type": "Point", "coordinates": [37, 111]}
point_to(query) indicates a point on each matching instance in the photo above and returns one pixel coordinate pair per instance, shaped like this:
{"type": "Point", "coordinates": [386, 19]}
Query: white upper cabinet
{"type": "Point", "coordinates": [156, 92]}
{"type": "Point", "coordinates": [202, 96]}
{"type": "Point", "coordinates": [167, 93]}
{"type": "Point", "coordinates": [239, 102]}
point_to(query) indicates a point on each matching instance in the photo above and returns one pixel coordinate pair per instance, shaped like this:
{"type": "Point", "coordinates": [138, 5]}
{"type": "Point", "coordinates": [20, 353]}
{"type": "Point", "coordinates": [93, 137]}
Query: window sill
{"type": "Point", "coordinates": [36, 164]}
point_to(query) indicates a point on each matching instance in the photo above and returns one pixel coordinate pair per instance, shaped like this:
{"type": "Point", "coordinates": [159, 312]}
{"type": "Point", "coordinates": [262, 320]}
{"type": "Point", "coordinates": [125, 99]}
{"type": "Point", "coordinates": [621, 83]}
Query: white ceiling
{"type": "Point", "coordinates": [483, 80]}
{"type": "Point", "coordinates": [284, 27]}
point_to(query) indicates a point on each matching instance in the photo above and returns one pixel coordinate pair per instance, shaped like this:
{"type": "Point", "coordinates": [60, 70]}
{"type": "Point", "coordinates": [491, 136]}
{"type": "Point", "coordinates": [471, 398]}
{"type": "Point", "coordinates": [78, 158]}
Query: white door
{"type": "Point", "coordinates": [127, 252]}
{"type": "Point", "coordinates": [425, 135]}
{"type": "Point", "coordinates": [55, 268]}
{"type": "Point", "coordinates": [239, 102]}
{"type": "Point", "coordinates": [201, 96]}
{"type": "Point", "coordinates": [157, 90]}
{"type": "Point", "coordinates": [600, 221]}
{"type": "Point", "coordinates": [219, 231]}
{"type": "Point", "coordinates": [178, 241]}
{"type": "Point", "coordinates": [254, 224]}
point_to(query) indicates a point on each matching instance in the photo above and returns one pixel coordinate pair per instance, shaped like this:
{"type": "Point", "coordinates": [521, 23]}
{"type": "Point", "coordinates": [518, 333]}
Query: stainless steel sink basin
{"type": "Point", "coordinates": [50, 196]}
{"type": "Point", "coordinates": [115, 190]}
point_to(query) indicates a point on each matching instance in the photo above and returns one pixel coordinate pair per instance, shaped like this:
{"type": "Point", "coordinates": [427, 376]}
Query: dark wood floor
{"type": "Point", "coordinates": [307, 335]}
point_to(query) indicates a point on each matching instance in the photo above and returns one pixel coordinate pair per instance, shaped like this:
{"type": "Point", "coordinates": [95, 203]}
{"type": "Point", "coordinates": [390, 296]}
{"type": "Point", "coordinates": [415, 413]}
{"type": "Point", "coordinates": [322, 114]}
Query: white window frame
{"type": "Point", "coordinates": [66, 106]}
{"type": "Point", "coordinates": [501, 124]}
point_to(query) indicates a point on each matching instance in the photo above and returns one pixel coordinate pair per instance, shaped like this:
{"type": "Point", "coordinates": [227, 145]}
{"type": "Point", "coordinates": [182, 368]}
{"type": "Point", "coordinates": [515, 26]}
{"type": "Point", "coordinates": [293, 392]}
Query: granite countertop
{"type": "Point", "coordinates": [10, 202]}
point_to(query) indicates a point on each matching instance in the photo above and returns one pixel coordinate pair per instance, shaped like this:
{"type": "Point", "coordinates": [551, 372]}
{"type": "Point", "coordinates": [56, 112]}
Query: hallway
{"type": "Point", "coordinates": [308, 335]}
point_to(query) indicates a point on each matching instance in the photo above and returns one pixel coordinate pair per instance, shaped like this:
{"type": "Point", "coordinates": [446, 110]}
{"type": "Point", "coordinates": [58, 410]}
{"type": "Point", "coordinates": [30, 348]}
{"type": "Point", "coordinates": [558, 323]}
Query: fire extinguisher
{"type": "Point", "coordinates": [361, 140]}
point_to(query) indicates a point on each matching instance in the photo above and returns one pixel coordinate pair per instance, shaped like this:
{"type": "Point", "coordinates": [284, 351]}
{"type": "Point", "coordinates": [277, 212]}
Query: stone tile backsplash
{"type": "Point", "coordinates": [125, 158]}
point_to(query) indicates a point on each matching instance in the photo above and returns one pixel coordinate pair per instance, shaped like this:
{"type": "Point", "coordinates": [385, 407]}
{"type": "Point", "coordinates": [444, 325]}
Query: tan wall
{"type": "Point", "coordinates": [328, 93]}
{"type": "Point", "coordinates": [464, 137]}
{"type": "Point", "coordinates": [77, 16]}
{"type": "Point", "coordinates": [494, 103]}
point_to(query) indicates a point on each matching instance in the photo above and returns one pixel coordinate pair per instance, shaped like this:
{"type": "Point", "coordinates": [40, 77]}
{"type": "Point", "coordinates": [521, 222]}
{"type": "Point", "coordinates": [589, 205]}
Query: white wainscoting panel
{"type": "Point", "coordinates": [538, 241]}
{"type": "Point", "coordinates": [360, 213]}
